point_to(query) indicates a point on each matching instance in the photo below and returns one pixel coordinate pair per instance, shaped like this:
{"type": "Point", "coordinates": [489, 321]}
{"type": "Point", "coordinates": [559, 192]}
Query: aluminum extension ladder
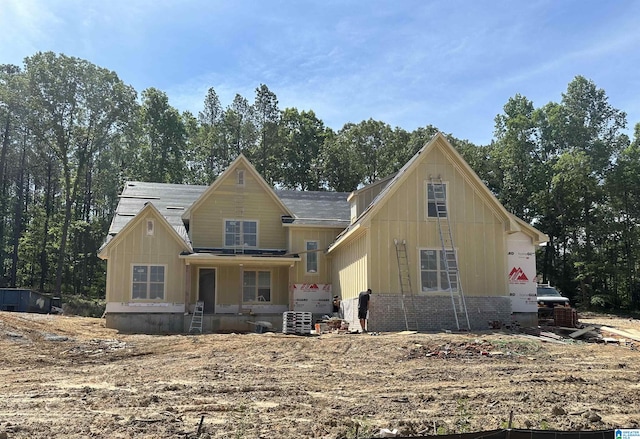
{"type": "Point", "coordinates": [196, 319]}
{"type": "Point", "coordinates": [408, 304]}
{"type": "Point", "coordinates": [450, 257]}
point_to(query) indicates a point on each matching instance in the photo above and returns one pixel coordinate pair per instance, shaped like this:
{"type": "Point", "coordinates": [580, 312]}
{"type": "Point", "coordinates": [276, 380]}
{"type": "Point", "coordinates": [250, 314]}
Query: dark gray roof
{"type": "Point", "coordinates": [317, 207]}
{"type": "Point", "coordinates": [172, 200]}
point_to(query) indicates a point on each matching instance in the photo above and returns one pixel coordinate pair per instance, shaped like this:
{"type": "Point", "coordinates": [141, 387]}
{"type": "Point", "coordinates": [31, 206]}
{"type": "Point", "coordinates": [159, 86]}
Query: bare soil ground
{"type": "Point", "coordinates": [70, 377]}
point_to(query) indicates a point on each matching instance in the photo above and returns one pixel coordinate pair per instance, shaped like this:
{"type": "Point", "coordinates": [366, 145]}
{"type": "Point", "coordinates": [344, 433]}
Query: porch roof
{"type": "Point", "coordinates": [240, 259]}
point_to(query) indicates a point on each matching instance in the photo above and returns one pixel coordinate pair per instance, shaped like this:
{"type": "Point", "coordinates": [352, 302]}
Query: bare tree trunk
{"type": "Point", "coordinates": [17, 220]}
{"type": "Point", "coordinates": [48, 201]}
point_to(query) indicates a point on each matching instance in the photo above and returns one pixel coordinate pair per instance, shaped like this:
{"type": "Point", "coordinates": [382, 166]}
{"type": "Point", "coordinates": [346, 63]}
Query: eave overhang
{"type": "Point", "coordinates": [249, 260]}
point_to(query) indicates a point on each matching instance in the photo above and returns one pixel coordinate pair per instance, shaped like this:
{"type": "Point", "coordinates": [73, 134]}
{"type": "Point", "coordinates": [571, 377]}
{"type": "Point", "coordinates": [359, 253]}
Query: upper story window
{"type": "Point", "coordinates": [148, 282]}
{"type": "Point", "coordinates": [436, 196]}
{"type": "Point", "coordinates": [240, 233]}
{"type": "Point", "coordinates": [150, 227]}
{"type": "Point", "coordinates": [240, 175]}
{"type": "Point", "coordinates": [312, 256]}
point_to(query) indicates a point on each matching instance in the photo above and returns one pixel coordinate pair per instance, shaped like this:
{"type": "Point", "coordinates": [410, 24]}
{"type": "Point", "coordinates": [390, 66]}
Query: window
{"type": "Point", "coordinates": [439, 192]}
{"type": "Point", "coordinates": [240, 233]}
{"type": "Point", "coordinates": [240, 177]}
{"type": "Point", "coordinates": [256, 286]}
{"type": "Point", "coordinates": [150, 227]}
{"type": "Point", "coordinates": [433, 273]}
{"type": "Point", "coordinates": [312, 257]}
{"type": "Point", "coordinates": [148, 282]}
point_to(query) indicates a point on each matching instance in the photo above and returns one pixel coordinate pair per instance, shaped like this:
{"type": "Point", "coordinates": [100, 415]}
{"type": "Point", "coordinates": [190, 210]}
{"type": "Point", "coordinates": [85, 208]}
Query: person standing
{"type": "Point", "coordinates": [336, 306]}
{"type": "Point", "coordinates": [363, 308]}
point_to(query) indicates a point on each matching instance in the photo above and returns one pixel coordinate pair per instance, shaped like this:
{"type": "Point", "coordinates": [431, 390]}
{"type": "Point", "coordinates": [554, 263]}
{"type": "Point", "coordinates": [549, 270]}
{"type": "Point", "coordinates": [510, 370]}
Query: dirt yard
{"type": "Point", "coordinates": [69, 377]}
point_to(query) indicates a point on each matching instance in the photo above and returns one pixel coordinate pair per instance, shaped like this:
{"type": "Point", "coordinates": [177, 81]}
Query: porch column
{"type": "Point", "coordinates": [241, 289]}
{"type": "Point", "coordinates": [187, 287]}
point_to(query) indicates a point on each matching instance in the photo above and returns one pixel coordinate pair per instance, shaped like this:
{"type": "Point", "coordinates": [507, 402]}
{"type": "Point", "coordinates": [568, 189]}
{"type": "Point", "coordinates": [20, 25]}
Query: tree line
{"type": "Point", "coordinates": [72, 133]}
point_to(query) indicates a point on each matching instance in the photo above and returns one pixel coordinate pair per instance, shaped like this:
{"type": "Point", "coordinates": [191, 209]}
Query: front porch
{"type": "Point", "coordinates": [237, 290]}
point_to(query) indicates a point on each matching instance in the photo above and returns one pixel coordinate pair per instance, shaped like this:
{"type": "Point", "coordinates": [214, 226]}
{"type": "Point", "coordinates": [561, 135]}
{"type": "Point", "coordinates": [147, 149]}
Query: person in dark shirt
{"type": "Point", "coordinates": [363, 308]}
{"type": "Point", "coordinates": [336, 306]}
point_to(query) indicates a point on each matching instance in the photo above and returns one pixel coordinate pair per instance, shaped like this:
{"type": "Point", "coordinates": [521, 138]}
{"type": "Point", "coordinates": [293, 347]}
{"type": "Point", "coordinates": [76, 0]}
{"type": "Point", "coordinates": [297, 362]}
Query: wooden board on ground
{"type": "Point", "coordinates": [581, 332]}
{"type": "Point", "coordinates": [620, 333]}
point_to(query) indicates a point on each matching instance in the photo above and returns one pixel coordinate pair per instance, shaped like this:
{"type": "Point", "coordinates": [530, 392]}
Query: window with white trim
{"type": "Point", "coordinates": [312, 256]}
{"type": "Point", "coordinates": [240, 175]}
{"type": "Point", "coordinates": [150, 227]}
{"type": "Point", "coordinates": [147, 282]}
{"type": "Point", "coordinates": [433, 272]}
{"type": "Point", "coordinates": [431, 201]}
{"type": "Point", "coordinates": [240, 233]}
{"type": "Point", "coordinates": [256, 286]}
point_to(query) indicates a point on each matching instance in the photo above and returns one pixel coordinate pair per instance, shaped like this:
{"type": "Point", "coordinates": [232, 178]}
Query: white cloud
{"type": "Point", "coordinates": [27, 27]}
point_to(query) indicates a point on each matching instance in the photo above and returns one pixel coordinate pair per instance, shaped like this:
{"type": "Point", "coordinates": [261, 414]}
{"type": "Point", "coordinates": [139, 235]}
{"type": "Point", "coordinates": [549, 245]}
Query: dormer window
{"type": "Point", "coordinates": [240, 175]}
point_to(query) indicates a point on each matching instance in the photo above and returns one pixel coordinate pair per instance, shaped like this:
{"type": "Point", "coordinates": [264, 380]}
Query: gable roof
{"type": "Point", "coordinates": [171, 200]}
{"type": "Point", "coordinates": [514, 224]}
{"type": "Point", "coordinates": [240, 160]}
{"type": "Point", "coordinates": [175, 201]}
{"type": "Point", "coordinates": [147, 208]}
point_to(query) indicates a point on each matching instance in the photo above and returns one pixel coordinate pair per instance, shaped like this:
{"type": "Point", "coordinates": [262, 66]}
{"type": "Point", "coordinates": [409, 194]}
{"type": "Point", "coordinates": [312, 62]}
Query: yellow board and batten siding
{"type": "Point", "coordinates": [478, 231]}
{"type": "Point", "coordinates": [298, 244]}
{"type": "Point", "coordinates": [139, 248]}
{"type": "Point", "coordinates": [231, 201]}
{"type": "Point", "coordinates": [366, 195]}
{"type": "Point", "coordinates": [350, 267]}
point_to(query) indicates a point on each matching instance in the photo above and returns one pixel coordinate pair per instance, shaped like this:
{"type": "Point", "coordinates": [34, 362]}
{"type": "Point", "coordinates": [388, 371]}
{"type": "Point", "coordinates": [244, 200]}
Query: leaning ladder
{"type": "Point", "coordinates": [449, 255]}
{"type": "Point", "coordinates": [408, 304]}
{"type": "Point", "coordinates": [196, 320]}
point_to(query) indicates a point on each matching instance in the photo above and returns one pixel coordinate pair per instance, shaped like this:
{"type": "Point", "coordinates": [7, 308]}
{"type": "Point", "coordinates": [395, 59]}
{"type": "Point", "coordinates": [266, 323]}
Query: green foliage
{"type": "Point", "coordinates": [163, 143]}
{"type": "Point", "coordinates": [80, 305]}
{"type": "Point", "coordinates": [463, 415]}
{"type": "Point", "coordinates": [302, 136]}
{"type": "Point", "coordinates": [71, 134]}
{"type": "Point", "coordinates": [567, 168]}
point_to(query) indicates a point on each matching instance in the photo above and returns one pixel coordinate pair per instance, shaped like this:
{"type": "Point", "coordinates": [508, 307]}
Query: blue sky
{"type": "Point", "coordinates": [450, 63]}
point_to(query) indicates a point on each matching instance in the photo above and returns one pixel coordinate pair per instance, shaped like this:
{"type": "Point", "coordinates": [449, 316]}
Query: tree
{"type": "Point", "coordinates": [592, 124]}
{"type": "Point", "coordinates": [77, 108]}
{"type": "Point", "coordinates": [623, 186]}
{"type": "Point", "coordinates": [516, 157]}
{"type": "Point", "coordinates": [267, 117]}
{"type": "Point", "coordinates": [341, 163]}
{"type": "Point", "coordinates": [13, 132]}
{"type": "Point", "coordinates": [211, 152]}
{"type": "Point", "coordinates": [303, 137]}
{"type": "Point", "coordinates": [238, 128]}
{"type": "Point", "coordinates": [164, 139]}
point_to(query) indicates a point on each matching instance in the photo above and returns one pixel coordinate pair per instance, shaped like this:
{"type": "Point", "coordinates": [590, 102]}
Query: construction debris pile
{"type": "Point", "coordinates": [587, 333]}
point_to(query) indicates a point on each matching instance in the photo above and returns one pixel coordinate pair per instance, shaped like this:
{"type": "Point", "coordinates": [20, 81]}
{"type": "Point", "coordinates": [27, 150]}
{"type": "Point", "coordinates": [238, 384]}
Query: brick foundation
{"type": "Point", "coordinates": [434, 313]}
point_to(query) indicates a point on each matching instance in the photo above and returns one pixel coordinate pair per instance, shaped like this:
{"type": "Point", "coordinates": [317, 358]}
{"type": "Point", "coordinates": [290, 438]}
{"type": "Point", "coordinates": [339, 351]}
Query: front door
{"type": "Point", "coordinates": [207, 289]}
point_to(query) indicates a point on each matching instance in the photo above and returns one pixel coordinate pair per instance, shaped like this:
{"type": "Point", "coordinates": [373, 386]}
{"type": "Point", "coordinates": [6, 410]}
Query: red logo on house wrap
{"type": "Point", "coordinates": [517, 276]}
